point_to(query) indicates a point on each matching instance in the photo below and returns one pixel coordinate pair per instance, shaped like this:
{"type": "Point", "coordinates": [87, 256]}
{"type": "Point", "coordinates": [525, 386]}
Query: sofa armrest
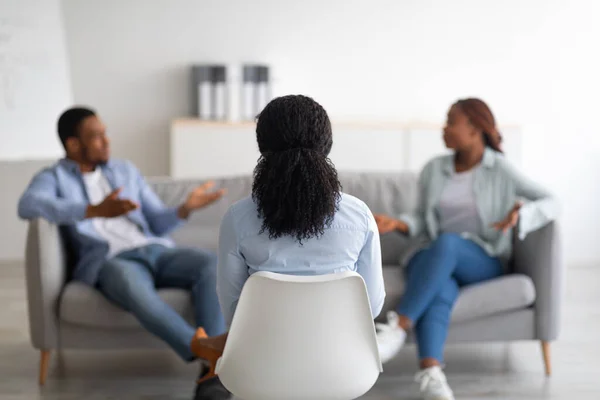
{"type": "Point", "coordinates": [540, 257]}
{"type": "Point", "coordinates": [45, 274]}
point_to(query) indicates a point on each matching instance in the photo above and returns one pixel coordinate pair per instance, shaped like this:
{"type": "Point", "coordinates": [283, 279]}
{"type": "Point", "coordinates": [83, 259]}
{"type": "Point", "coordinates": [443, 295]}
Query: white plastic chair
{"type": "Point", "coordinates": [301, 338]}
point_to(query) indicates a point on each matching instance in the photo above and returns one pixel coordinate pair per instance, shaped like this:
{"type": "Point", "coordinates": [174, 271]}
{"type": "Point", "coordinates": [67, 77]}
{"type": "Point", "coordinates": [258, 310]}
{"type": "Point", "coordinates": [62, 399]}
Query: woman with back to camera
{"type": "Point", "coordinates": [297, 221]}
{"type": "Point", "coordinates": [468, 204]}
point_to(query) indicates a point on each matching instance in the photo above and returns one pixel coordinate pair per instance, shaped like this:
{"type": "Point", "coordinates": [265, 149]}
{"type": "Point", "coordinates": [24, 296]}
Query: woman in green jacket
{"type": "Point", "coordinates": [469, 203]}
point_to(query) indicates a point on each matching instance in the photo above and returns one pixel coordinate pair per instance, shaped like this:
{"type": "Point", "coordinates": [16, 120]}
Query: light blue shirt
{"type": "Point", "coordinates": [497, 186]}
{"type": "Point", "coordinates": [58, 194]}
{"type": "Point", "coordinates": [350, 243]}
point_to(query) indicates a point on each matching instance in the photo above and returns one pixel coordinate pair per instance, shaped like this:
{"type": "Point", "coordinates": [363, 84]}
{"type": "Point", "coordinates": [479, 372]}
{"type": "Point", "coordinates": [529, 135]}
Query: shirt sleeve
{"type": "Point", "coordinates": [41, 200]}
{"type": "Point", "coordinates": [160, 218]}
{"type": "Point", "coordinates": [369, 266]}
{"type": "Point", "coordinates": [232, 271]}
{"type": "Point", "coordinates": [415, 220]}
{"type": "Point", "coordinates": [541, 206]}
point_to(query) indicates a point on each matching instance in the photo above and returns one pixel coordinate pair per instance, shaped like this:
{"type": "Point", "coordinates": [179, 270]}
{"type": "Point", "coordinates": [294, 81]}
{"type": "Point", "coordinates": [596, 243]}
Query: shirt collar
{"type": "Point", "coordinates": [73, 167]}
{"type": "Point", "coordinates": [488, 160]}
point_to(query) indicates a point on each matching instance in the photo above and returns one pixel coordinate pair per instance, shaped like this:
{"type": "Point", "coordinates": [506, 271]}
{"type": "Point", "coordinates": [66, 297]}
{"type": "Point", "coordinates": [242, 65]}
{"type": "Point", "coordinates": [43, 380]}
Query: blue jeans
{"type": "Point", "coordinates": [131, 279]}
{"type": "Point", "coordinates": [433, 278]}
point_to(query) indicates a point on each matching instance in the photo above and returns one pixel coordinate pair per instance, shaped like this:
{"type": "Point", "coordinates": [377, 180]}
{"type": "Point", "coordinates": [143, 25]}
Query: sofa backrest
{"type": "Point", "coordinates": [389, 193]}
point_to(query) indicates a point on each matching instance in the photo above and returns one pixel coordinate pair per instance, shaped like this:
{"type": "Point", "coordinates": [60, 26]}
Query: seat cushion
{"type": "Point", "coordinates": [507, 293]}
{"type": "Point", "coordinates": [81, 304]}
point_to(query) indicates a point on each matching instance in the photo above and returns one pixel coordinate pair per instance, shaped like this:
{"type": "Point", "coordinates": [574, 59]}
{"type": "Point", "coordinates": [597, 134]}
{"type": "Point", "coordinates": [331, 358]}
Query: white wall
{"type": "Point", "coordinates": [34, 88]}
{"type": "Point", "coordinates": [34, 78]}
{"type": "Point", "coordinates": [535, 61]}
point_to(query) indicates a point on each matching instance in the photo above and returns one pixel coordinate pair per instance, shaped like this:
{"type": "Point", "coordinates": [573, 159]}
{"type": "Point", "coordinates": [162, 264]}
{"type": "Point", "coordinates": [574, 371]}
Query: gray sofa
{"type": "Point", "coordinates": [524, 305]}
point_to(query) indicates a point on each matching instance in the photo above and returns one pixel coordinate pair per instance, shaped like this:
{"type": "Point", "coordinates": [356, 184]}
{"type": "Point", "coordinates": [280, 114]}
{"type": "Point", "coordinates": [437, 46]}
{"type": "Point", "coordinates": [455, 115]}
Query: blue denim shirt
{"type": "Point", "coordinates": [350, 243]}
{"type": "Point", "coordinates": [497, 186]}
{"type": "Point", "coordinates": [58, 195]}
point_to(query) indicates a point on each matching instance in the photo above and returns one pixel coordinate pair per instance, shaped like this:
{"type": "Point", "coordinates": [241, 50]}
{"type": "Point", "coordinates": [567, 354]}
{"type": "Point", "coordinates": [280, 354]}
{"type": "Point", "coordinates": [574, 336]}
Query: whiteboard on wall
{"type": "Point", "coordinates": [34, 78]}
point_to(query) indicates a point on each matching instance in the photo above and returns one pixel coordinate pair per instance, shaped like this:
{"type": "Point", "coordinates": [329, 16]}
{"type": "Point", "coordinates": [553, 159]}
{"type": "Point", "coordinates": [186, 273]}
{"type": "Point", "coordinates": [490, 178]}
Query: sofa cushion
{"type": "Point", "coordinates": [507, 293]}
{"type": "Point", "coordinates": [387, 193]}
{"type": "Point", "coordinates": [81, 304]}
{"type": "Point", "coordinates": [202, 228]}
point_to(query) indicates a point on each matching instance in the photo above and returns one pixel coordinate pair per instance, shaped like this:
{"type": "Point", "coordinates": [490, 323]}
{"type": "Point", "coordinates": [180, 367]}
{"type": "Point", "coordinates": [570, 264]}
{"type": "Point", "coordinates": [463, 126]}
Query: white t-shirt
{"type": "Point", "coordinates": [457, 208]}
{"type": "Point", "coordinates": [120, 232]}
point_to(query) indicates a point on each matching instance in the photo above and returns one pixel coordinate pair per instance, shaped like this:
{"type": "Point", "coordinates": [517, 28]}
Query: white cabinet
{"type": "Point", "coordinates": [212, 150]}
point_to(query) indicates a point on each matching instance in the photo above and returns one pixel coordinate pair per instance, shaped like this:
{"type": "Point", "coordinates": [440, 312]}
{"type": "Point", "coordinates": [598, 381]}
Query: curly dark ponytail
{"type": "Point", "coordinates": [296, 187]}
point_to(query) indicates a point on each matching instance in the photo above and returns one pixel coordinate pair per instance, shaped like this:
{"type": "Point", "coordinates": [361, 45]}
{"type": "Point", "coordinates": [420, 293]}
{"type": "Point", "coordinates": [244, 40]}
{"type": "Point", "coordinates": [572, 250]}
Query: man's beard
{"type": "Point", "coordinates": [85, 157]}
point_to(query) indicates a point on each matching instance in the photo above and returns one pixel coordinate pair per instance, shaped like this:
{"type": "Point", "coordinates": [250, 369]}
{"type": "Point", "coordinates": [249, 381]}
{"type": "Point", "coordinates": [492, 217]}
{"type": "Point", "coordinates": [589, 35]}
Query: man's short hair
{"type": "Point", "coordinates": [69, 121]}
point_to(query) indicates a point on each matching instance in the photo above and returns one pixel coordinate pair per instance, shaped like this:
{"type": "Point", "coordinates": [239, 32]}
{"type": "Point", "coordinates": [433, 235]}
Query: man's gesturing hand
{"type": "Point", "coordinates": [112, 206]}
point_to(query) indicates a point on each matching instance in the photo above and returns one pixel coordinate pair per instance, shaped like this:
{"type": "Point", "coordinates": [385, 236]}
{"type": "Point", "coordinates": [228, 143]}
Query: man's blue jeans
{"type": "Point", "coordinates": [131, 279]}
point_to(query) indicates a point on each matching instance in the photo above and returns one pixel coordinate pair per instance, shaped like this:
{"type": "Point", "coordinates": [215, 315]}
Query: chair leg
{"type": "Point", "coordinates": [44, 361]}
{"type": "Point", "coordinates": [546, 355]}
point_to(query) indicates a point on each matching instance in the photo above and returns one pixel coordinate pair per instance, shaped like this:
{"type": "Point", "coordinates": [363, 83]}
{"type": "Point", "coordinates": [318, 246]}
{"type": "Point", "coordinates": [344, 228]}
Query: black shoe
{"type": "Point", "coordinates": [211, 389]}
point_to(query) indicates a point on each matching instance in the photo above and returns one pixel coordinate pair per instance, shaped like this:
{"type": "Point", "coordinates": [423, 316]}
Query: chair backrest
{"type": "Point", "coordinates": [301, 338]}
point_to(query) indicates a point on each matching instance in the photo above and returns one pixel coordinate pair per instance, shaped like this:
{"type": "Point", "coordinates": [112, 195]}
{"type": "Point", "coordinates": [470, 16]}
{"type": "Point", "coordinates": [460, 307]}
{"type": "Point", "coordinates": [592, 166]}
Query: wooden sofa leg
{"type": "Point", "coordinates": [547, 359]}
{"type": "Point", "coordinates": [44, 362]}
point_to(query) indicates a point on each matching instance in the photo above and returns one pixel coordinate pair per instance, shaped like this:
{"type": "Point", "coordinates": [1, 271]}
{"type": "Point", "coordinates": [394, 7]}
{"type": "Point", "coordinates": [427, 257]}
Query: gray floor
{"type": "Point", "coordinates": [498, 371]}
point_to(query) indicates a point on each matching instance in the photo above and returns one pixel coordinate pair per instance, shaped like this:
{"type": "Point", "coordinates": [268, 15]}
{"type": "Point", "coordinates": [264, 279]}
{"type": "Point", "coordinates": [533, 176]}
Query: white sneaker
{"type": "Point", "coordinates": [390, 337]}
{"type": "Point", "coordinates": [434, 385]}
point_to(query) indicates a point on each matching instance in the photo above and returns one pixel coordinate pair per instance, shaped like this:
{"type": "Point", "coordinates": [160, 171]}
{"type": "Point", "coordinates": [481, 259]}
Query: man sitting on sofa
{"type": "Point", "coordinates": [116, 227]}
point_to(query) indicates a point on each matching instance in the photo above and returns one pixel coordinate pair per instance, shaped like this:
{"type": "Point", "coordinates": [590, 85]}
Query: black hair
{"type": "Point", "coordinates": [69, 121]}
{"type": "Point", "coordinates": [296, 186]}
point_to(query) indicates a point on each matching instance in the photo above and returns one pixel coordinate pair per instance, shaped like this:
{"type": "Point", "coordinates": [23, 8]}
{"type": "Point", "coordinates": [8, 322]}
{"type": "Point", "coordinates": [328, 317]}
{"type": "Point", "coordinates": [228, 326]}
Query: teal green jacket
{"type": "Point", "coordinates": [497, 186]}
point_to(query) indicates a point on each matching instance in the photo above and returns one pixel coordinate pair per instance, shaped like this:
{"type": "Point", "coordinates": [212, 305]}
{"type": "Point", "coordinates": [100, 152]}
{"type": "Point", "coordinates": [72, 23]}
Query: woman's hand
{"type": "Point", "coordinates": [511, 219]}
{"type": "Point", "coordinates": [387, 224]}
